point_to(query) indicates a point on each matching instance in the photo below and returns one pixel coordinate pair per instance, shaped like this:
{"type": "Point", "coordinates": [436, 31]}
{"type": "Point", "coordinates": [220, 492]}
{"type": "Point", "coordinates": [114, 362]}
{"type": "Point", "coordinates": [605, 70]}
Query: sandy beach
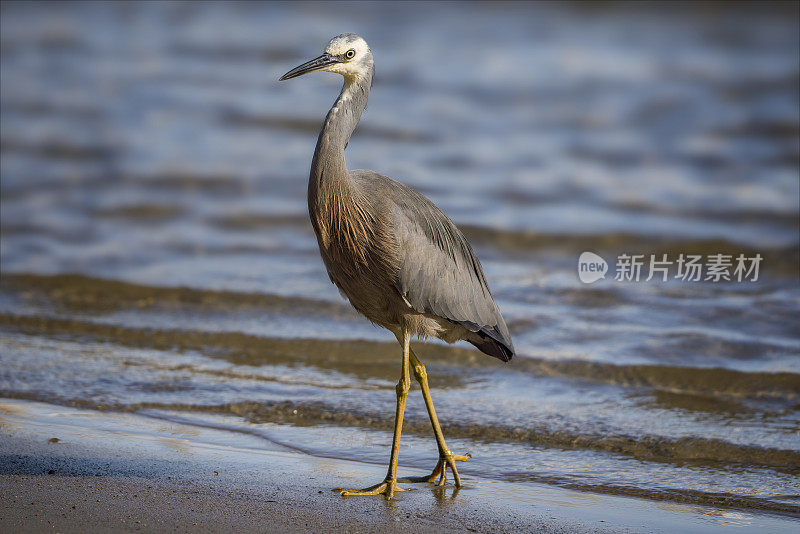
{"type": "Point", "coordinates": [111, 472]}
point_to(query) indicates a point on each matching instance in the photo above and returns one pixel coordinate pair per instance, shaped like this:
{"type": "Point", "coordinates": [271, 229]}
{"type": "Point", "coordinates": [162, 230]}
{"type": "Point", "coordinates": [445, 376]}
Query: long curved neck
{"type": "Point", "coordinates": [331, 191]}
{"type": "Point", "coordinates": [328, 168]}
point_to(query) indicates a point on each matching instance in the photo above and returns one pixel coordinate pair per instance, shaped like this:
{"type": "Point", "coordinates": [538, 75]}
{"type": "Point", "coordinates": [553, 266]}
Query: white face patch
{"type": "Point", "coordinates": [339, 47]}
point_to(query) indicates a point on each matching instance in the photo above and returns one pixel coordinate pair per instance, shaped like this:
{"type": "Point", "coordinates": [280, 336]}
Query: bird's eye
{"type": "Point", "coordinates": [350, 54]}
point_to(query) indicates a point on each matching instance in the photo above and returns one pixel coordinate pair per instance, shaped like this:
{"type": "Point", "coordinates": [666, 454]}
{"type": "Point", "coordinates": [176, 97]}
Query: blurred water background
{"type": "Point", "coordinates": [157, 257]}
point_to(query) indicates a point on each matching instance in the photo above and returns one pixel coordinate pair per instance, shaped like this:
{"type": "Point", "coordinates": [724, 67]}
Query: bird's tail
{"type": "Point", "coordinates": [494, 341]}
{"type": "Point", "coordinates": [492, 347]}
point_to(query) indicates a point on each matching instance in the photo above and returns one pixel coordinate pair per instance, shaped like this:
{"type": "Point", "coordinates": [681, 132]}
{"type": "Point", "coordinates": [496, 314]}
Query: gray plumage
{"type": "Point", "coordinates": [400, 261]}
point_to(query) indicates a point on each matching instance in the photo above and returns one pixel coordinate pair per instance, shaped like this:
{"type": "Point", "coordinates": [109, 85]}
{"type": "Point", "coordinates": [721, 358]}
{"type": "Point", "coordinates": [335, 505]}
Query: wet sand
{"type": "Point", "coordinates": [70, 470]}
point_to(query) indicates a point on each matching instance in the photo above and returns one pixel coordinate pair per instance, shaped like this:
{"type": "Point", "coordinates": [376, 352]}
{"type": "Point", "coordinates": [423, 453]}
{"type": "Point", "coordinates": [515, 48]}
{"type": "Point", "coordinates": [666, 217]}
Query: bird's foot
{"type": "Point", "coordinates": [446, 459]}
{"type": "Point", "coordinates": [387, 488]}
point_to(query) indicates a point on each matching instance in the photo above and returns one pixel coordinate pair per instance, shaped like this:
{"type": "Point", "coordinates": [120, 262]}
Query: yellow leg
{"type": "Point", "coordinates": [446, 457]}
{"type": "Point", "coordinates": [389, 486]}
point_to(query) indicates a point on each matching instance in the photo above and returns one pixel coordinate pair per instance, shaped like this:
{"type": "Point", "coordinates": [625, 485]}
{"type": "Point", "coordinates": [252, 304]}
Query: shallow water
{"type": "Point", "coordinates": [156, 254]}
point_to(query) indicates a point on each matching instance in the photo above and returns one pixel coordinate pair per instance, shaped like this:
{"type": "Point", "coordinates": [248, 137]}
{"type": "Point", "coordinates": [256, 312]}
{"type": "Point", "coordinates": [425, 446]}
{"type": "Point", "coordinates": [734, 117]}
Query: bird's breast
{"type": "Point", "coordinates": [359, 257]}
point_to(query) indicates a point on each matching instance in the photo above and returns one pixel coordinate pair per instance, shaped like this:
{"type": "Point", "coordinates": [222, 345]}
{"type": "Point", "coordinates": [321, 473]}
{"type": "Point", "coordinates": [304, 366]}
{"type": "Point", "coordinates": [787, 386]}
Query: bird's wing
{"type": "Point", "coordinates": [438, 272]}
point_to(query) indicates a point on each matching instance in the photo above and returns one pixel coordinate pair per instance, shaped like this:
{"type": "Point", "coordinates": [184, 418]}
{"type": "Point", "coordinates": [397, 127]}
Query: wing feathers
{"type": "Point", "coordinates": [440, 274]}
{"type": "Point", "coordinates": [437, 270]}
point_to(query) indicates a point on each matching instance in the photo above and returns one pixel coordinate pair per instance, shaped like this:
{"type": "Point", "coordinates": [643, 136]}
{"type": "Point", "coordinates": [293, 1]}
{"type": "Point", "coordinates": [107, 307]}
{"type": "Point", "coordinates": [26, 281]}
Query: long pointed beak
{"type": "Point", "coordinates": [310, 66]}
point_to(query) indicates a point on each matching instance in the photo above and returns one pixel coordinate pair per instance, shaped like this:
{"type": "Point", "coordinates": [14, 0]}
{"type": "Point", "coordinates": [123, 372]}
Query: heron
{"type": "Point", "coordinates": [398, 259]}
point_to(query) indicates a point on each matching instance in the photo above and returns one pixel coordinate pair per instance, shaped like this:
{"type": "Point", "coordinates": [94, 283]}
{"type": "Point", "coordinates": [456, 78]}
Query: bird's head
{"type": "Point", "coordinates": [347, 54]}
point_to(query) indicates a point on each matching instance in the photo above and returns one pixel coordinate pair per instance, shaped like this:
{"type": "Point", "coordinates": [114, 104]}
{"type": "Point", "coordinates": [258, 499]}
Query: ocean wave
{"type": "Point", "coordinates": [693, 451]}
{"type": "Point", "coordinates": [92, 296]}
{"type": "Point", "coordinates": [371, 359]}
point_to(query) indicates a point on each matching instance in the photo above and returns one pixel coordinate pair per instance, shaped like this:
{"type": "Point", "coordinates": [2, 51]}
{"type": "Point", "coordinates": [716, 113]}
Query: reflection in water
{"type": "Point", "coordinates": [157, 257]}
{"type": "Point", "coordinates": [445, 495]}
